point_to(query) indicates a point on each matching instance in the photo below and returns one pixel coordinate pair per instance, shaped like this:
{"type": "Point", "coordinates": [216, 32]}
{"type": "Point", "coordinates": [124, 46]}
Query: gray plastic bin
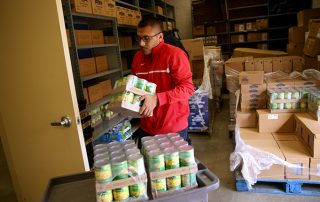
{"type": "Point", "coordinates": [81, 188]}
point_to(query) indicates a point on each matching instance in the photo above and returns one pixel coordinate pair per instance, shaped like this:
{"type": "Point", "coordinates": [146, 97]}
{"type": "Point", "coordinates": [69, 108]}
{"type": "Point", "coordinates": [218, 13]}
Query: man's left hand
{"type": "Point", "coordinates": [150, 102]}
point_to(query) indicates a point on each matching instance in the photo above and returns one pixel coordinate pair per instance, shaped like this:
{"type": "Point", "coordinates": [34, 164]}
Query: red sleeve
{"type": "Point", "coordinates": [182, 77]}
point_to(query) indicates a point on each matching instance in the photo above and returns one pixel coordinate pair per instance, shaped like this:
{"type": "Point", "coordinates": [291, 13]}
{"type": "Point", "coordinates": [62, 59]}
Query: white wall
{"type": "Point", "coordinates": [183, 17]}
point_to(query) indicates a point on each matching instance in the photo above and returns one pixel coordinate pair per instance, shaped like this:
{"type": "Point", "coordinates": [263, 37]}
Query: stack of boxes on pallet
{"type": "Point", "coordinates": [304, 39]}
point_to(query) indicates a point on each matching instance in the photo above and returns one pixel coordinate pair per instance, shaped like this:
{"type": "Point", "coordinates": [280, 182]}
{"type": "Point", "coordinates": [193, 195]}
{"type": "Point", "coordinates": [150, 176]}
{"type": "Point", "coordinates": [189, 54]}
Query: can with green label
{"type": "Point", "coordinates": [281, 95]}
{"type": "Point", "coordinates": [288, 105]}
{"type": "Point", "coordinates": [156, 163]}
{"type": "Point", "coordinates": [281, 106]}
{"type": "Point", "coordinates": [295, 94]}
{"type": "Point", "coordinates": [151, 87]}
{"type": "Point", "coordinates": [137, 190]}
{"type": "Point", "coordinates": [141, 84]}
{"type": "Point", "coordinates": [171, 158]}
{"type": "Point", "coordinates": [128, 97]}
{"type": "Point", "coordinates": [136, 164]}
{"type": "Point", "coordinates": [105, 196]}
{"type": "Point", "coordinates": [132, 80]}
{"type": "Point", "coordinates": [295, 105]}
{"type": "Point", "coordinates": [119, 168]}
{"type": "Point", "coordinates": [288, 95]}
{"type": "Point", "coordinates": [103, 171]}
{"type": "Point", "coordinates": [303, 105]}
{"type": "Point", "coordinates": [186, 155]}
{"type": "Point", "coordinates": [274, 105]}
{"type": "Point", "coordinates": [174, 182]}
{"type": "Point", "coordinates": [121, 194]}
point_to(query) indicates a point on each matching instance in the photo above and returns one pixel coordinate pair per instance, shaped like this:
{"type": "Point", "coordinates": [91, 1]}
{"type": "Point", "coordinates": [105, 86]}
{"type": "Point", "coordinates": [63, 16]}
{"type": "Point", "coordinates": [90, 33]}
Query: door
{"type": "Point", "coordinates": [36, 88]}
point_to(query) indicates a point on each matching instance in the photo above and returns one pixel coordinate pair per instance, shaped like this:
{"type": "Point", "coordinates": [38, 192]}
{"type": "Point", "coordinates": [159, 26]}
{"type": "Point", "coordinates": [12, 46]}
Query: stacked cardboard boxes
{"type": "Point", "coordinates": [296, 40]}
{"type": "Point", "coordinates": [127, 16]}
{"type": "Point", "coordinates": [96, 92]}
{"type": "Point", "coordinates": [312, 45]}
{"type": "Point", "coordinates": [96, 7]}
{"type": "Point", "coordinates": [92, 65]}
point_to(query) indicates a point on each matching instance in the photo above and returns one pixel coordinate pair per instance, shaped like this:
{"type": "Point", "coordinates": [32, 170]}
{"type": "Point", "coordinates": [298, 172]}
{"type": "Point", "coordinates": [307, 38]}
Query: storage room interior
{"type": "Point", "coordinates": [70, 108]}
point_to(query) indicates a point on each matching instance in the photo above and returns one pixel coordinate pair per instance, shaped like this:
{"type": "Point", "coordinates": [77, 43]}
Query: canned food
{"type": "Point", "coordinates": [105, 196]}
{"type": "Point", "coordinates": [165, 145]}
{"type": "Point", "coordinates": [295, 94]}
{"type": "Point", "coordinates": [177, 139]}
{"type": "Point", "coordinates": [121, 194]}
{"type": "Point", "coordinates": [114, 144]}
{"type": "Point", "coordinates": [146, 139]}
{"type": "Point", "coordinates": [287, 95]}
{"type": "Point", "coordinates": [171, 158]}
{"type": "Point", "coordinates": [160, 137]}
{"type": "Point", "coordinates": [295, 105]}
{"type": "Point", "coordinates": [273, 95]}
{"type": "Point", "coordinates": [128, 97]}
{"type": "Point", "coordinates": [287, 105]}
{"type": "Point", "coordinates": [156, 161]}
{"type": "Point", "coordinates": [115, 148]}
{"type": "Point", "coordinates": [101, 150]}
{"type": "Point", "coordinates": [172, 135]}
{"type": "Point", "coordinates": [303, 105]}
{"type": "Point", "coordinates": [151, 147]}
{"type": "Point", "coordinates": [102, 171]}
{"type": "Point", "coordinates": [100, 146]}
{"type": "Point", "coordinates": [132, 80]}
{"type": "Point", "coordinates": [163, 140]}
{"type": "Point", "coordinates": [186, 155]}
{"type": "Point", "coordinates": [137, 190]}
{"type": "Point", "coordinates": [128, 142]}
{"type": "Point", "coordinates": [180, 143]}
{"type": "Point", "coordinates": [116, 154]}
{"type": "Point", "coordinates": [274, 106]}
{"type": "Point", "coordinates": [159, 185]}
{"type": "Point", "coordinates": [101, 156]}
{"type": "Point", "coordinates": [141, 84]}
{"type": "Point", "coordinates": [132, 151]}
{"type": "Point", "coordinates": [189, 180]}
{"type": "Point", "coordinates": [151, 87]}
{"type": "Point", "coordinates": [174, 182]}
{"type": "Point", "coordinates": [136, 164]}
{"type": "Point", "coordinates": [119, 168]}
{"type": "Point", "coordinates": [281, 106]}
{"type": "Point", "coordinates": [127, 147]}
{"type": "Point", "coordinates": [281, 95]}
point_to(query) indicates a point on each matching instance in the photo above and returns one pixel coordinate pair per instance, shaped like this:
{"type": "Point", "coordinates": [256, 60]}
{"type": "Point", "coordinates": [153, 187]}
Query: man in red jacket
{"type": "Point", "coordinates": [167, 66]}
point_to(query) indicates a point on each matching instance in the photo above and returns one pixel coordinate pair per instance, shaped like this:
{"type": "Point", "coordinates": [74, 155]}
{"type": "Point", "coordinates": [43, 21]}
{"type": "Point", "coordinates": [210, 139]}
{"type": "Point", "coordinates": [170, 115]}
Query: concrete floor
{"type": "Point", "coordinates": [212, 150]}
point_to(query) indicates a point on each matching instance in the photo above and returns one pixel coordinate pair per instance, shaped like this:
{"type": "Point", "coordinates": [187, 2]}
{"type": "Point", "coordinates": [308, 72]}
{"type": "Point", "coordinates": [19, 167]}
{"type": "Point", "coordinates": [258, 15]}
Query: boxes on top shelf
{"type": "Point", "coordinates": [111, 8]}
{"type": "Point", "coordinates": [109, 39]}
{"type": "Point", "coordinates": [81, 6]}
{"type": "Point", "coordinates": [121, 15]}
{"type": "Point", "coordinates": [99, 7]}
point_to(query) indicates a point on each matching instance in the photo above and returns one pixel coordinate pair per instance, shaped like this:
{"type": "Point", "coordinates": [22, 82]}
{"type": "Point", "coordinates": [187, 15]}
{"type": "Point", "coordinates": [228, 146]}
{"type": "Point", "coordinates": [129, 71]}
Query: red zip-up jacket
{"type": "Point", "coordinates": [169, 68]}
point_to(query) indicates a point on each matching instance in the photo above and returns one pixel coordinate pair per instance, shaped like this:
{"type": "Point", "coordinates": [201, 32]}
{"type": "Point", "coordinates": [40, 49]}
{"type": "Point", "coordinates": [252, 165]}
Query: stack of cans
{"type": "Point", "coordinates": [314, 102]}
{"type": "Point", "coordinates": [116, 161]}
{"type": "Point", "coordinates": [164, 152]}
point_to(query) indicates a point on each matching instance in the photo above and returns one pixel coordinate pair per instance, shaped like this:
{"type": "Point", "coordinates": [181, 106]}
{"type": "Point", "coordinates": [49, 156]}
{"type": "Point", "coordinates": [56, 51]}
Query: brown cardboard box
{"type": "Point", "coordinates": [253, 88]}
{"type": "Point", "coordinates": [252, 135]}
{"type": "Point", "coordinates": [111, 8]}
{"type": "Point", "coordinates": [254, 97]}
{"type": "Point", "coordinates": [121, 15]}
{"type": "Point", "coordinates": [314, 30]}
{"type": "Point", "coordinates": [305, 15]}
{"type": "Point", "coordinates": [109, 39]}
{"type": "Point", "coordinates": [164, 26]}
{"type": "Point", "coordinates": [127, 42]}
{"type": "Point", "coordinates": [198, 30]}
{"type": "Point", "coordinates": [197, 67]}
{"type": "Point", "coordinates": [267, 65]}
{"type": "Point", "coordinates": [239, 27]}
{"type": "Point", "coordinates": [253, 37]}
{"type": "Point", "coordinates": [99, 7]}
{"type": "Point", "coordinates": [286, 64]}
{"type": "Point", "coordinates": [249, 64]}
{"type": "Point", "coordinates": [262, 23]}
{"type": "Point", "coordinates": [211, 30]}
{"type": "Point", "coordinates": [122, 42]}
{"type": "Point", "coordinates": [252, 104]}
{"type": "Point", "coordinates": [87, 66]}
{"type": "Point", "coordinates": [250, 26]}
{"type": "Point", "coordinates": [270, 123]}
{"type": "Point", "coordinates": [83, 37]}
{"type": "Point", "coordinates": [306, 83]}
{"type": "Point", "coordinates": [101, 63]}
{"type": "Point", "coordinates": [137, 17]}
{"type": "Point", "coordinates": [246, 119]}
{"type": "Point", "coordinates": [285, 83]}
{"type": "Point", "coordinates": [251, 77]}
{"type": "Point", "coordinates": [315, 169]}
{"type": "Point", "coordinates": [295, 153]}
{"type": "Point", "coordinates": [81, 6]}
{"type": "Point", "coordinates": [277, 64]}
{"type": "Point", "coordinates": [264, 36]}
{"type": "Point", "coordinates": [296, 35]}
{"type": "Point", "coordinates": [236, 64]}
{"type": "Point", "coordinates": [257, 53]}
{"type": "Point", "coordinates": [97, 37]}
{"type": "Point", "coordinates": [298, 63]}
{"type": "Point", "coordinates": [105, 87]}
{"type": "Point", "coordinates": [124, 63]}
{"type": "Point", "coordinates": [194, 48]}
{"type": "Point", "coordinates": [85, 95]}
{"type": "Point", "coordinates": [95, 93]}
{"type": "Point", "coordinates": [284, 136]}
{"type": "Point", "coordinates": [238, 38]}
{"type": "Point", "coordinates": [263, 46]}
{"type": "Point", "coordinates": [258, 64]}
{"type": "Point", "coordinates": [276, 171]}
{"type": "Point", "coordinates": [158, 10]}
{"type": "Point", "coordinates": [295, 49]}
{"type": "Point", "coordinates": [130, 17]}
{"type": "Point", "coordinates": [311, 62]}
{"type": "Point", "coordinates": [312, 47]}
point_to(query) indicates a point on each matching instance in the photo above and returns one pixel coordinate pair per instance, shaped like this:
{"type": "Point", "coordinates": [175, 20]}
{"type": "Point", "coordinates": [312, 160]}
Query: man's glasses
{"type": "Point", "coordinates": [145, 38]}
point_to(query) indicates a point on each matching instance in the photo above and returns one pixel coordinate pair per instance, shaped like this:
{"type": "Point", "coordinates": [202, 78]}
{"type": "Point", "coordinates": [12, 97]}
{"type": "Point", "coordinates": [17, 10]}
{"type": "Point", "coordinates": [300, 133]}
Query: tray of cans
{"type": "Point", "coordinates": [314, 103]}
{"type": "Point", "coordinates": [287, 100]}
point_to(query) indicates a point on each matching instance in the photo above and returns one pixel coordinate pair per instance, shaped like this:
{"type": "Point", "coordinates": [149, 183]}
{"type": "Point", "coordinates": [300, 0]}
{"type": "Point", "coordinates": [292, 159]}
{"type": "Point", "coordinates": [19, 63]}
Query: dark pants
{"type": "Point", "coordinates": [139, 134]}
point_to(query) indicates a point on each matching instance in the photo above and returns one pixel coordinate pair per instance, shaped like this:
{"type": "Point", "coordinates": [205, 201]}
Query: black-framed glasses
{"type": "Point", "coordinates": [145, 38]}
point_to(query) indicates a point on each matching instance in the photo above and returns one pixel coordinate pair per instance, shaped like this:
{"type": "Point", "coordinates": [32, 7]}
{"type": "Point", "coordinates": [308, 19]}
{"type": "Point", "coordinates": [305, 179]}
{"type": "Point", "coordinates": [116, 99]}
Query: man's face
{"type": "Point", "coordinates": [149, 37]}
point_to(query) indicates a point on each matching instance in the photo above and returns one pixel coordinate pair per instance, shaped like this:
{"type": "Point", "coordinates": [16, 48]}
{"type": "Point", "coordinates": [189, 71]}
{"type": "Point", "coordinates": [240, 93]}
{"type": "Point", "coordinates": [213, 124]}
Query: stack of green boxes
{"type": "Point", "coordinates": [117, 161]}
{"type": "Point", "coordinates": [165, 152]}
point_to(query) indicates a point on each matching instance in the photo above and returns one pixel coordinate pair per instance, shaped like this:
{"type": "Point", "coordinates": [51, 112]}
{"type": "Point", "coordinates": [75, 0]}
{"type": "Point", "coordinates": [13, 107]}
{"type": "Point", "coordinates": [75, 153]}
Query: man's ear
{"type": "Point", "coordinates": [161, 36]}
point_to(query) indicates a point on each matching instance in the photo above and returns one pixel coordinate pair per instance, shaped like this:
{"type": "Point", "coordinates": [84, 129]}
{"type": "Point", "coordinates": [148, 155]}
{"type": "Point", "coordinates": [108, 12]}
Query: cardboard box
{"type": "Point", "coordinates": [284, 136]}
{"type": "Point", "coordinates": [257, 53]}
{"type": "Point", "coordinates": [296, 35]}
{"type": "Point", "coordinates": [124, 63]}
{"type": "Point", "coordinates": [101, 63]}
{"type": "Point", "coordinates": [239, 27]}
{"type": "Point", "coordinates": [111, 8]}
{"type": "Point", "coordinates": [267, 65]}
{"type": "Point", "coordinates": [97, 37]}
{"type": "Point", "coordinates": [87, 66]}
{"type": "Point", "coordinates": [264, 36]}
{"type": "Point", "coordinates": [198, 30]}
{"type": "Point", "coordinates": [81, 6]}
{"type": "Point", "coordinates": [249, 64]}
{"type": "Point", "coordinates": [194, 48]}
{"type": "Point", "coordinates": [254, 88]}
{"type": "Point", "coordinates": [295, 49]}
{"type": "Point", "coordinates": [105, 87]}
{"type": "Point", "coordinates": [263, 46]}
{"type": "Point", "coordinates": [99, 7]}
{"type": "Point", "coordinates": [85, 95]}
{"type": "Point", "coordinates": [122, 42]}
{"type": "Point", "coordinates": [261, 96]}
{"type": "Point", "coordinates": [258, 64]}
{"type": "Point", "coordinates": [252, 104]}
{"type": "Point", "coordinates": [271, 123]}
{"type": "Point", "coordinates": [315, 169]}
{"type": "Point", "coordinates": [314, 30]}
{"type": "Point", "coordinates": [109, 39]}
{"type": "Point", "coordinates": [158, 10]}
{"type": "Point", "coordinates": [286, 65]}
{"type": "Point", "coordinates": [127, 42]}
{"type": "Point", "coordinates": [306, 83]}
{"type": "Point", "coordinates": [276, 172]}
{"type": "Point", "coordinates": [197, 68]}
{"type": "Point", "coordinates": [237, 63]}
{"type": "Point", "coordinates": [130, 17]}
{"type": "Point", "coordinates": [312, 47]}
{"type": "Point", "coordinates": [121, 15]}
{"type": "Point", "coordinates": [251, 77]}
{"type": "Point", "coordinates": [238, 38]}
{"type": "Point", "coordinates": [250, 26]}
{"type": "Point", "coordinates": [311, 62]}
{"type": "Point", "coordinates": [95, 93]}
{"type": "Point", "coordinates": [137, 17]}
{"type": "Point", "coordinates": [246, 119]}
{"type": "Point", "coordinates": [295, 153]}
{"type": "Point", "coordinates": [305, 15]}
{"type": "Point", "coordinates": [251, 135]}
{"type": "Point", "coordinates": [262, 24]}
{"type": "Point", "coordinates": [253, 37]}
{"type": "Point", "coordinates": [83, 37]}
{"type": "Point", "coordinates": [298, 63]}
{"type": "Point", "coordinates": [211, 30]}
{"type": "Point", "coordinates": [285, 83]}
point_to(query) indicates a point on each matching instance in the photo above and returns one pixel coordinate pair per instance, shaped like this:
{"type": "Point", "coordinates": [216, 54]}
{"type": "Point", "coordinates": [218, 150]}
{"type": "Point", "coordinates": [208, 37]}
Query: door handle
{"type": "Point", "coordinates": [65, 122]}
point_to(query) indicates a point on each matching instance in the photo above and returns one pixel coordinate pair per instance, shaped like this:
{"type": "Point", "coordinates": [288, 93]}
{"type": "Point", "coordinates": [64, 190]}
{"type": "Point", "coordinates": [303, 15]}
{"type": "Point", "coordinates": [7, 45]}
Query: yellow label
{"type": "Point", "coordinates": [121, 194]}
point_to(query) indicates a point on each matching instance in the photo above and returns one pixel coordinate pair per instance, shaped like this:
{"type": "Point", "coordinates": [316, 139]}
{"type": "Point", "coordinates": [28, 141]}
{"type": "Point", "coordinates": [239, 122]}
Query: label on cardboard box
{"type": "Point", "coordinates": [273, 116]}
{"type": "Point", "coordinates": [81, 6]}
{"type": "Point", "coordinates": [251, 77]}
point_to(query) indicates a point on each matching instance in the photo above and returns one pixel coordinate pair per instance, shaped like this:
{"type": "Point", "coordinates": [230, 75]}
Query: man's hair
{"type": "Point", "coordinates": [150, 21]}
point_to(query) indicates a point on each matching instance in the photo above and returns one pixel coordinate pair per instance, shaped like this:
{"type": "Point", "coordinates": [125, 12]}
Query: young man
{"type": "Point", "coordinates": [167, 66]}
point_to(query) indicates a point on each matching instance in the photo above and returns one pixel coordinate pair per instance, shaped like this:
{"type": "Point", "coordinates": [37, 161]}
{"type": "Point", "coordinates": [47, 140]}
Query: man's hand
{"type": "Point", "coordinates": [150, 102]}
